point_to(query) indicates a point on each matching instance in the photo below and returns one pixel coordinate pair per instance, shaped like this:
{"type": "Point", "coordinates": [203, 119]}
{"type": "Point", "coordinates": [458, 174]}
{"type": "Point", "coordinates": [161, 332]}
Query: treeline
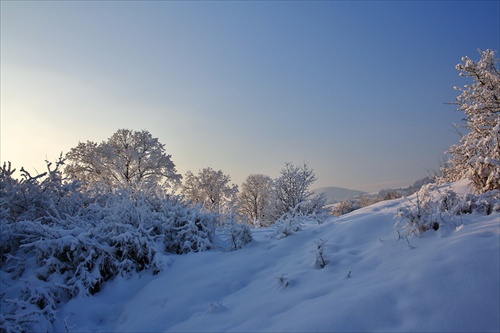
{"type": "Point", "coordinates": [136, 161]}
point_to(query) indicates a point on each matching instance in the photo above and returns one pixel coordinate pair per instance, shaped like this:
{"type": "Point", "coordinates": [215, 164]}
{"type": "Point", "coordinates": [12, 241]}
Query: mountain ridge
{"type": "Point", "coordinates": [335, 194]}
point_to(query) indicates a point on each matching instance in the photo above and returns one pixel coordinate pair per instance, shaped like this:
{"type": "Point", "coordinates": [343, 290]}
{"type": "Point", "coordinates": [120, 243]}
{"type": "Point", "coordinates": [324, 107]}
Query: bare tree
{"type": "Point", "coordinates": [293, 194]}
{"type": "Point", "coordinates": [255, 200]}
{"type": "Point", "coordinates": [211, 189]}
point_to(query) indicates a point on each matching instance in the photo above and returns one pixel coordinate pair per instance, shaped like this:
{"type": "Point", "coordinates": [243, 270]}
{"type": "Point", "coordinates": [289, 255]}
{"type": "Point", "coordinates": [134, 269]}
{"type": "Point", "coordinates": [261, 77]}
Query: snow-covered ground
{"type": "Point", "coordinates": [444, 280]}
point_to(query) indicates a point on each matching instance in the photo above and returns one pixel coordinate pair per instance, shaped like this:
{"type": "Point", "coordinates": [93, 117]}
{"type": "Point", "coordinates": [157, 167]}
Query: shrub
{"type": "Point", "coordinates": [283, 282]}
{"type": "Point", "coordinates": [59, 241]}
{"type": "Point", "coordinates": [433, 204]}
{"type": "Point", "coordinates": [321, 258]}
{"type": "Point", "coordinates": [344, 207]}
{"type": "Point", "coordinates": [234, 235]}
{"type": "Point", "coordinates": [288, 223]}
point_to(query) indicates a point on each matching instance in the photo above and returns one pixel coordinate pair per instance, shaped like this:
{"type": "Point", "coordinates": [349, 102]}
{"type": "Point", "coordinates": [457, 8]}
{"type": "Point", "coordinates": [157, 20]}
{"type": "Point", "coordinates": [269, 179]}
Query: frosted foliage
{"type": "Point", "coordinates": [211, 189]}
{"type": "Point", "coordinates": [477, 156]}
{"type": "Point", "coordinates": [191, 230]}
{"type": "Point", "coordinates": [288, 224]}
{"type": "Point", "coordinates": [128, 158]}
{"type": "Point", "coordinates": [256, 200]}
{"type": "Point", "coordinates": [434, 207]}
{"type": "Point", "coordinates": [234, 236]}
{"type": "Point", "coordinates": [349, 274]}
{"type": "Point", "coordinates": [61, 240]}
{"type": "Point", "coordinates": [293, 194]}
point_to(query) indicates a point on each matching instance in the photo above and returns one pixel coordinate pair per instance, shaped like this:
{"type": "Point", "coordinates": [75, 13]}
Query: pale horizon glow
{"type": "Point", "coordinates": [357, 90]}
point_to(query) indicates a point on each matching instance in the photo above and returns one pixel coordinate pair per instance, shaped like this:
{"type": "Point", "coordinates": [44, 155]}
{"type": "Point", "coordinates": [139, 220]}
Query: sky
{"type": "Point", "coordinates": [358, 90]}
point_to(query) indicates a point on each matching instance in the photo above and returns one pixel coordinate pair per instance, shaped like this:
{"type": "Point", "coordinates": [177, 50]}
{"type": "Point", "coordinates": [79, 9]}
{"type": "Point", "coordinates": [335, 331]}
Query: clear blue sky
{"type": "Point", "coordinates": [355, 89]}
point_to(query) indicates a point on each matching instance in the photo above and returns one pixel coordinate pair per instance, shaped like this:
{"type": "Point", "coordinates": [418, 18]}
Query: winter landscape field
{"type": "Point", "coordinates": [137, 260]}
{"type": "Point", "coordinates": [112, 239]}
{"type": "Point", "coordinates": [368, 270]}
{"type": "Point", "coordinates": [444, 281]}
{"type": "Point", "coordinates": [273, 193]}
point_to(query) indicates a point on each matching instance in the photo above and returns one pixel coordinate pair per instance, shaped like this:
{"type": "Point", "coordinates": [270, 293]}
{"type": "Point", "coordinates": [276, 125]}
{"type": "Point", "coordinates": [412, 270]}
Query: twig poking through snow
{"type": "Point", "coordinates": [283, 282]}
{"type": "Point", "coordinates": [408, 241]}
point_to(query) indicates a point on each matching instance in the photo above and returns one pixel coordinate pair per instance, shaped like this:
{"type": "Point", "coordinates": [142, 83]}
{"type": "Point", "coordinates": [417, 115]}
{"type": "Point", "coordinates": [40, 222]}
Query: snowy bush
{"type": "Point", "coordinates": [345, 206]}
{"type": "Point", "coordinates": [234, 235]}
{"type": "Point", "coordinates": [434, 206]}
{"type": "Point", "coordinates": [215, 307]}
{"type": "Point", "coordinates": [32, 310]}
{"type": "Point", "coordinates": [190, 230]}
{"type": "Point", "coordinates": [60, 241]}
{"type": "Point", "coordinates": [30, 204]}
{"type": "Point", "coordinates": [288, 224]}
{"type": "Point", "coordinates": [321, 258]}
{"type": "Point", "coordinates": [292, 221]}
{"type": "Point", "coordinates": [240, 235]}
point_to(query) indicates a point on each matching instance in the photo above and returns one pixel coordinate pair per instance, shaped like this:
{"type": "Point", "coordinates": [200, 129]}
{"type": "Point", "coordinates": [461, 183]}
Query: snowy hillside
{"type": "Point", "coordinates": [337, 194]}
{"type": "Point", "coordinates": [444, 280]}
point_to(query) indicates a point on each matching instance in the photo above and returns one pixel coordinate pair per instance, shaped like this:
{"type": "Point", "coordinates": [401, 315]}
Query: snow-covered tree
{"type": "Point", "coordinates": [293, 194]}
{"type": "Point", "coordinates": [477, 156]}
{"type": "Point", "coordinates": [130, 159]}
{"type": "Point", "coordinates": [211, 189]}
{"type": "Point", "coordinates": [256, 200]}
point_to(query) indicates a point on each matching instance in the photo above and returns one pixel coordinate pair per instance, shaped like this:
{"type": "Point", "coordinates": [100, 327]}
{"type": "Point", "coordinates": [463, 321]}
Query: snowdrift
{"type": "Point", "coordinates": [374, 280]}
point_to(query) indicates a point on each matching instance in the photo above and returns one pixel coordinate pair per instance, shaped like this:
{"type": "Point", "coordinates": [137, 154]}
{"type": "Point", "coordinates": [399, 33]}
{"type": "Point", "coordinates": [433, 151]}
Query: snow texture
{"type": "Point", "coordinates": [441, 280]}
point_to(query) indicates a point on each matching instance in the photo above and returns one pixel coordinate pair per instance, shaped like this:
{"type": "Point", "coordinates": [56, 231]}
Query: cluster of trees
{"type": "Point", "coordinates": [137, 161]}
{"type": "Point", "coordinates": [116, 208]}
{"type": "Point", "coordinates": [262, 200]}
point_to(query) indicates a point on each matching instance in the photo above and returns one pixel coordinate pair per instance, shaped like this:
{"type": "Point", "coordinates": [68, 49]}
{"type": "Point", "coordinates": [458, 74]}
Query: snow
{"type": "Point", "coordinates": [444, 280]}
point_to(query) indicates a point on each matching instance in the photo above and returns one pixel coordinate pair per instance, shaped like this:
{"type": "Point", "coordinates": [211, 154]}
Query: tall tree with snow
{"type": "Point", "coordinates": [128, 158]}
{"type": "Point", "coordinates": [255, 200]}
{"type": "Point", "coordinates": [293, 193]}
{"type": "Point", "coordinates": [477, 156]}
{"type": "Point", "coordinates": [211, 189]}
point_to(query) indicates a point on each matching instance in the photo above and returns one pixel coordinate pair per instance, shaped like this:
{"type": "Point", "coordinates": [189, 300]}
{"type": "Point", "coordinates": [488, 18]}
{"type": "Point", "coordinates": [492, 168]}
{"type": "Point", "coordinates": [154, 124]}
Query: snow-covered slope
{"type": "Point", "coordinates": [444, 280]}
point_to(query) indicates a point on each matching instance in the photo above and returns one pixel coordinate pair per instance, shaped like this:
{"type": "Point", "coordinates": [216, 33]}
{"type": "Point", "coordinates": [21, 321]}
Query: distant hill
{"type": "Point", "coordinates": [337, 194]}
